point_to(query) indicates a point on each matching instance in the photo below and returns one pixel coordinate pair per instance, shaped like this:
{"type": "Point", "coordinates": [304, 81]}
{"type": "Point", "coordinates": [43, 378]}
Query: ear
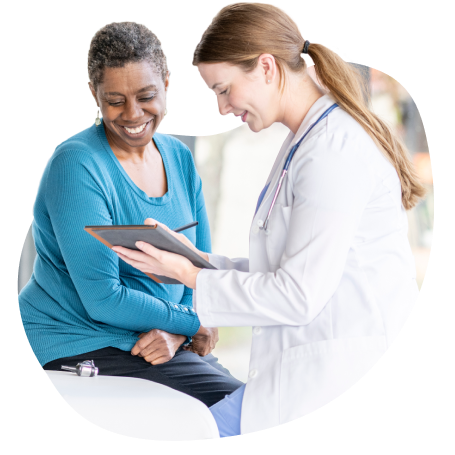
{"type": "Point", "coordinates": [166, 81]}
{"type": "Point", "coordinates": [268, 66]}
{"type": "Point", "coordinates": [92, 89]}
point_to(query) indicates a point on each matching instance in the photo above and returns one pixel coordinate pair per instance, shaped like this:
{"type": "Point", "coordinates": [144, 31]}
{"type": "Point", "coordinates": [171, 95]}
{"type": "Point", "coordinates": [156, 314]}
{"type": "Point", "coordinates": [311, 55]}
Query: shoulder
{"type": "Point", "coordinates": [78, 156]}
{"type": "Point", "coordinates": [338, 148]}
{"type": "Point", "coordinates": [340, 137]}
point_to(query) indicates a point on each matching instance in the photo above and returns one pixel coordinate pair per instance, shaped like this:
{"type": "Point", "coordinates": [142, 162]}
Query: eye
{"type": "Point", "coordinates": [116, 103]}
{"type": "Point", "coordinates": [146, 100]}
{"type": "Point", "coordinates": [223, 92]}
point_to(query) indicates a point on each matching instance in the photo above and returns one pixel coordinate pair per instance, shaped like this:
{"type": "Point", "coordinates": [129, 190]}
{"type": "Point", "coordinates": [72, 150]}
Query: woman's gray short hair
{"type": "Point", "coordinates": [120, 43]}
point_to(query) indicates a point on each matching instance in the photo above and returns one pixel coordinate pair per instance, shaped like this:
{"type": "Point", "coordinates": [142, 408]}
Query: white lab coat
{"type": "Point", "coordinates": [329, 286]}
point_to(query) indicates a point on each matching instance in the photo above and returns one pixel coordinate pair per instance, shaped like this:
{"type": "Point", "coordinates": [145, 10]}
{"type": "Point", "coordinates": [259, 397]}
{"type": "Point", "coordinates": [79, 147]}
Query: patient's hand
{"type": "Point", "coordinates": [204, 341]}
{"type": "Point", "coordinates": [157, 346]}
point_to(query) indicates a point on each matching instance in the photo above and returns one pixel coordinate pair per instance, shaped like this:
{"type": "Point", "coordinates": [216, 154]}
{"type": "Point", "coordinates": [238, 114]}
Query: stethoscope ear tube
{"type": "Point", "coordinates": [280, 182]}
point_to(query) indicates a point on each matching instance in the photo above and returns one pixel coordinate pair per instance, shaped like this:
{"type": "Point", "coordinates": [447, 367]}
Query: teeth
{"type": "Point", "coordinates": [137, 130]}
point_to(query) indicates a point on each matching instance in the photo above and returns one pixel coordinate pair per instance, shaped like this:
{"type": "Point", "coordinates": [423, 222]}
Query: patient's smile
{"type": "Point", "coordinates": [136, 130]}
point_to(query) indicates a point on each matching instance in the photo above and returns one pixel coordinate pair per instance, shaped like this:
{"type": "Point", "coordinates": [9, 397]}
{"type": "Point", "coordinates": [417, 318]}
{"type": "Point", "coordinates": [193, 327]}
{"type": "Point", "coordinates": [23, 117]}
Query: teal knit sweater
{"type": "Point", "coordinates": [81, 296]}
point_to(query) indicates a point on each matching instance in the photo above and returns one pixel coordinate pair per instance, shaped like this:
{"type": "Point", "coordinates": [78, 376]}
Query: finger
{"type": "Point", "coordinates": [161, 360]}
{"type": "Point", "coordinates": [149, 250]}
{"type": "Point", "coordinates": [151, 358]}
{"type": "Point", "coordinates": [143, 342]}
{"type": "Point", "coordinates": [150, 222]}
{"type": "Point", "coordinates": [145, 267]}
{"type": "Point", "coordinates": [136, 349]}
{"type": "Point", "coordinates": [141, 335]}
{"type": "Point", "coordinates": [150, 349]}
{"type": "Point", "coordinates": [132, 254]}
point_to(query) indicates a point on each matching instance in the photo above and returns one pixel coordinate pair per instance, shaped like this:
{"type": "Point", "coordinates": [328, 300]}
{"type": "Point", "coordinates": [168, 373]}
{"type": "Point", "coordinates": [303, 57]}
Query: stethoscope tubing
{"type": "Point", "coordinates": [288, 163]}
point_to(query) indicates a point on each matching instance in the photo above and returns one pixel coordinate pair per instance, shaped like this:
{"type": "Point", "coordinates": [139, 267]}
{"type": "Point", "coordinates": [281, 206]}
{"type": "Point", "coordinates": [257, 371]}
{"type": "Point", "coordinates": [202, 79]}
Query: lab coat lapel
{"type": "Point", "coordinates": [318, 108]}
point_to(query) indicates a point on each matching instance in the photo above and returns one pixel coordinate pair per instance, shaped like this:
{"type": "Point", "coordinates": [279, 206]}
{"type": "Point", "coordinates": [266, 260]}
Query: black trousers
{"type": "Point", "coordinates": [201, 377]}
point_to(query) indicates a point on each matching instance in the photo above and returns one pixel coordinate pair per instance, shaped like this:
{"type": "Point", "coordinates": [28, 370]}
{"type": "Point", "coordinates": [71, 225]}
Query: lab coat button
{"type": "Point", "coordinates": [260, 223]}
{"type": "Point", "coordinates": [257, 330]}
{"type": "Point", "coordinates": [253, 373]}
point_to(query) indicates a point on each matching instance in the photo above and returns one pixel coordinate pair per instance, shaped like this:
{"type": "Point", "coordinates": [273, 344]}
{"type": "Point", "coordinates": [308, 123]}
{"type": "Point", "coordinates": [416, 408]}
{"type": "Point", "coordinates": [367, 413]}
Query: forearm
{"type": "Point", "coordinates": [137, 311]}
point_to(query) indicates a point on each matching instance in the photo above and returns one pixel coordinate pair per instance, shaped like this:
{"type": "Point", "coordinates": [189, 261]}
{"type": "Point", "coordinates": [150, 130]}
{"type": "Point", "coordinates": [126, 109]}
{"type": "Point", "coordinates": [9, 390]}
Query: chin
{"type": "Point", "coordinates": [255, 128]}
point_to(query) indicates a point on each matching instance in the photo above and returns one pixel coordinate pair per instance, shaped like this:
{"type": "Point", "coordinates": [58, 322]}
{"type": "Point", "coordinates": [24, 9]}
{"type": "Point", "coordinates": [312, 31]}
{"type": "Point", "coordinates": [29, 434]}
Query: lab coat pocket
{"type": "Point", "coordinates": [276, 236]}
{"type": "Point", "coordinates": [315, 373]}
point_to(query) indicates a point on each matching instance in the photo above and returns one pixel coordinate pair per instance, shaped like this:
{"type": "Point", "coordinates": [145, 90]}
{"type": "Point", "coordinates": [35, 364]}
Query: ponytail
{"type": "Point", "coordinates": [346, 87]}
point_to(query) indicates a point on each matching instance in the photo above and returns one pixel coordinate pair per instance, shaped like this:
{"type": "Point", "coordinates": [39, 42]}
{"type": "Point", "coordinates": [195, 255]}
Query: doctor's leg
{"type": "Point", "coordinates": [227, 413]}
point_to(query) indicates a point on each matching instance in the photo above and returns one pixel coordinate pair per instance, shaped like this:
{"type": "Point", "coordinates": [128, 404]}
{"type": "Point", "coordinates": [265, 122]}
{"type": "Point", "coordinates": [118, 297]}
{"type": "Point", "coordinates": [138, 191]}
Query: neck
{"type": "Point", "coordinates": [300, 94]}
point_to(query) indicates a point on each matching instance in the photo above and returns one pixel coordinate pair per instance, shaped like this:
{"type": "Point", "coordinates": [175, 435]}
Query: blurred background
{"type": "Point", "coordinates": [234, 167]}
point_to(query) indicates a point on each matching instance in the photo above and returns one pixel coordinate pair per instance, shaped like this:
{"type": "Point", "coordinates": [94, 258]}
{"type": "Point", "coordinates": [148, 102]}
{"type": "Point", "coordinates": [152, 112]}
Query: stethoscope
{"type": "Point", "coordinates": [288, 162]}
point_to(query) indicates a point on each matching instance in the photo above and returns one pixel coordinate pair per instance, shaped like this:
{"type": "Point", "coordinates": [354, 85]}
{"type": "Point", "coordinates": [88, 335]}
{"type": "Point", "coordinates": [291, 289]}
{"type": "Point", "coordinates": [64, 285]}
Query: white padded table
{"type": "Point", "coordinates": [136, 407]}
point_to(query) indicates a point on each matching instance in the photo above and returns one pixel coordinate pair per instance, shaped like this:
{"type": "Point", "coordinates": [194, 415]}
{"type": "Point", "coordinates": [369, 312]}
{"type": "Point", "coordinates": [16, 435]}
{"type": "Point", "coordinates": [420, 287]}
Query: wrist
{"type": "Point", "coordinates": [180, 339]}
{"type": "Point", "coordinates": [204, 256]}
{"type": "Point", "coordinates": [188, 276]}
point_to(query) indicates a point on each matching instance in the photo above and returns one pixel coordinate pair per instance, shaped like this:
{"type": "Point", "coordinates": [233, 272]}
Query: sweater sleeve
{"type": "Point", "coordinates": [75, 198]}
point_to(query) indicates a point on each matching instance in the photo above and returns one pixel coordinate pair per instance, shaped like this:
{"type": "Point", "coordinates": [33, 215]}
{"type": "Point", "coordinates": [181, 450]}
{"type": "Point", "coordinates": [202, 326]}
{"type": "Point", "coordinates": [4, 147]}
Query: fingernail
{"type": "Point", "coordinates": [139, 244]}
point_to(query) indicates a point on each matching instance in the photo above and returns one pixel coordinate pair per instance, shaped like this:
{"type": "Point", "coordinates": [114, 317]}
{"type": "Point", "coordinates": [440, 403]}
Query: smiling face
{"type": "Point", "coordinates": [246, 95]}
{"type": "Point", "coordinates": [132, 100]}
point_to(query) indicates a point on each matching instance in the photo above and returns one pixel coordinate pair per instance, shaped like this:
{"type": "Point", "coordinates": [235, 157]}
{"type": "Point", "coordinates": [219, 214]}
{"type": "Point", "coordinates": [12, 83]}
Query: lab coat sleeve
{"type": "Point", "coordinates": [331, 186]}
{"type": "Point", "coordinates": [224, 263]}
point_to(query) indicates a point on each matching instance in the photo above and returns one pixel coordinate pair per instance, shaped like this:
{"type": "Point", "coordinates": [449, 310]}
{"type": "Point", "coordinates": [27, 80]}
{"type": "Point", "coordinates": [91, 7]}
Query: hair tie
{"type": "Point", "coordinates": [305, 47]}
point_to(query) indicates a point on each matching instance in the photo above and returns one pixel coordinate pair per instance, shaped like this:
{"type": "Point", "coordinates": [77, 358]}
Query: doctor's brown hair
{"type": "Point", "coordinates": [241, 32]}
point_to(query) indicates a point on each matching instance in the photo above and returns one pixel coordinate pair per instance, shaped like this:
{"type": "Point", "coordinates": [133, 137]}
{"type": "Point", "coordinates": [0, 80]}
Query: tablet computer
{"type": "Point", "coordinates": [128, 235]}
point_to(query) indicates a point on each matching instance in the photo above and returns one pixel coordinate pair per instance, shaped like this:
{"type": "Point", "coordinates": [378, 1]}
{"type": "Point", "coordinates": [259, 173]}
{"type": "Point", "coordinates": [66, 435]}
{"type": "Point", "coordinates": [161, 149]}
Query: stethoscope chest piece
{"type": "Point", "coordinates": [260, 226]}
{"type": "Point", "coordinates": [85, 369]}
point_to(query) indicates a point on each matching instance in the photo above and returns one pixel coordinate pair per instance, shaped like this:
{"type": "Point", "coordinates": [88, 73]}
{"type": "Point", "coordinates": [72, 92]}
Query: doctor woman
{"type": "Point", "coordinates": [330, 279]}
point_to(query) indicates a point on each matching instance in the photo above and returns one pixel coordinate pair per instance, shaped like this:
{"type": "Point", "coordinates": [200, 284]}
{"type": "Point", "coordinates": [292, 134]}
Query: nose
{"type": "Point", "coordinates": [224, 107]}
{"type": "Point", "coordinates": [132, 111]}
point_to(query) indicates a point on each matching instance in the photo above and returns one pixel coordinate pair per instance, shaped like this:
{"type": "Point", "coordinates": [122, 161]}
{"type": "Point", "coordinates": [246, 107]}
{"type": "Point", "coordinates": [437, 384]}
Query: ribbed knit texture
{"type": "Point", "coordinates": [81, 296]}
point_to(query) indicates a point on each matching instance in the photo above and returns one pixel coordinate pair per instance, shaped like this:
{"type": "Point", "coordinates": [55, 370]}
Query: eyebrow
{"type": "Point", "coordinates": [216, 85]}
{"type": "Point", "coordinates": [143, 89]}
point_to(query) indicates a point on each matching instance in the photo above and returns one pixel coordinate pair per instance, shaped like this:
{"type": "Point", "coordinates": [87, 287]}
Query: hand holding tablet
{"type": "Point", "coordinates": [157, 235]}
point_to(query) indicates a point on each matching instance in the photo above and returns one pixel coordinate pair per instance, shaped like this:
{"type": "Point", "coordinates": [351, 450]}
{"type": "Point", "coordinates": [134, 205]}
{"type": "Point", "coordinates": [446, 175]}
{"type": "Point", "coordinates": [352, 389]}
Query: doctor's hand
{"type": "Point", "coordinates": [157, 346]}
{"type": "Point", "coordinates": [181, 237]}
{"type": "Point", "coordinates": [204, 341]}
{"type": "Point", "coordinates": [159, 262]}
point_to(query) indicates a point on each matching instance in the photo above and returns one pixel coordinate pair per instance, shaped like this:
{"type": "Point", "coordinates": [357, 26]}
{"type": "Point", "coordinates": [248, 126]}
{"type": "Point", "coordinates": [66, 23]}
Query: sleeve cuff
{"type": "Point", "coordinates": [188, 341]}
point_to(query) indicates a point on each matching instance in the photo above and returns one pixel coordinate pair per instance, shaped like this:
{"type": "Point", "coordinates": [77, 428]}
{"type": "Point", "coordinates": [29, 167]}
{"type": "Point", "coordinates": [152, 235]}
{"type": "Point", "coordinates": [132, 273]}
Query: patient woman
{"type": "Point", "coordinates": [82, 302]}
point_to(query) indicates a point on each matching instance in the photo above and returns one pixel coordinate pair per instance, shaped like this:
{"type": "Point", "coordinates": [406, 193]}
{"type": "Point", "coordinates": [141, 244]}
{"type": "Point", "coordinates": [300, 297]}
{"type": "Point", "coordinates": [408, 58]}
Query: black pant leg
{"type": "Point", "coordinates": [185, 372]}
